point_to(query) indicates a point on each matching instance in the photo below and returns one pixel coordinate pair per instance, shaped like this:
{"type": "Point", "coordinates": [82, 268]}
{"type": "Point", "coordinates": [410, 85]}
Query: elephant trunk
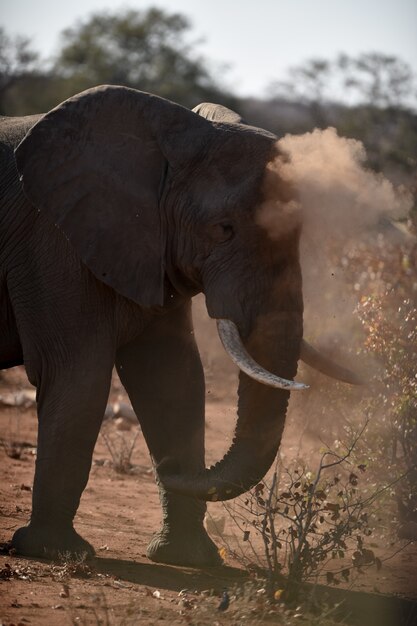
{"type": "Point", "coordinates": [261, 417]}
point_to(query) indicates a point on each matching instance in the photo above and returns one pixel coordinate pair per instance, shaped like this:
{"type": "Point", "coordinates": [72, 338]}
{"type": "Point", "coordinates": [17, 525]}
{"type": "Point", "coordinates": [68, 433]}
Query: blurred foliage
{"type": "Point", "coordinates": [17, 63]}
{"type": "Point", "coordinates": [375, 274]}
{"type": "Point", "coordinates": [388, 312]}
{"type": "Point", "coordinates": [380, 271]}
{"type": "Point", "coordinates": [146, 50]}
{"type": "Point", "coordinates": [372, 78]}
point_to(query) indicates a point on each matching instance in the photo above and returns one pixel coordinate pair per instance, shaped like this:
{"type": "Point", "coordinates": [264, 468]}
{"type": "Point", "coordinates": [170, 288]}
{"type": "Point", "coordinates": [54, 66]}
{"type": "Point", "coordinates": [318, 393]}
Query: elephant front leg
{"type": "Point", "coordinates": [163, 376]}
{"type": "Point", "coordinates": [71, 404]}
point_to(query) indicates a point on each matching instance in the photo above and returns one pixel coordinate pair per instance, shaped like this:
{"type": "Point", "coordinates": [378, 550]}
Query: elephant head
{"type": "Point", "coordinates": [158, 200]}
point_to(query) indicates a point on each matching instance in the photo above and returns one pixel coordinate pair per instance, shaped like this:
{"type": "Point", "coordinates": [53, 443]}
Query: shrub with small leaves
{"type": "Point", "coordinates": [388, 312]}
{"type": "Point", "coordinates": [311, 522]}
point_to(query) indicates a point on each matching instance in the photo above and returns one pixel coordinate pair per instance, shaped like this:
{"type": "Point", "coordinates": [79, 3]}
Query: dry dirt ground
{"type": "Point", "coordinates": [118, 514]}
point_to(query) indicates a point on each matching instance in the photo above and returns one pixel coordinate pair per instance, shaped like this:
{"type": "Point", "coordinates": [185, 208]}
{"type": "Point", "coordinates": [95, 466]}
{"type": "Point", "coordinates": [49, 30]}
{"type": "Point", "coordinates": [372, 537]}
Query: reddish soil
{"type": "Point", "coordinates": [118, 514]}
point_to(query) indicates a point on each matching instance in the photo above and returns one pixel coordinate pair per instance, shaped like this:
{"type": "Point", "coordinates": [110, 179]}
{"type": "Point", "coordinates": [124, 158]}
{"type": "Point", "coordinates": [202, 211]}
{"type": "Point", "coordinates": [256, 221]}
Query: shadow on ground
{"type": "Point", "coordinates": [170, 577]}
{"type": "Point", "coordinates": [361, 608]}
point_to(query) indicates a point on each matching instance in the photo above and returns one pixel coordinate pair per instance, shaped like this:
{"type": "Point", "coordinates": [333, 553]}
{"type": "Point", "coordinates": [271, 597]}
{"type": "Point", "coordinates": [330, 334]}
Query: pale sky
{"type": "Point", "coordinates": [257, 39]}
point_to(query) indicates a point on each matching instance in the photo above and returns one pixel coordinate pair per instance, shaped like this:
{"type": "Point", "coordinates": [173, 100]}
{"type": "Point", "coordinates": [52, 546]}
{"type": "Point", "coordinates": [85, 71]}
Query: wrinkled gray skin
{"type": "Point", "coordinates": [128, 205]}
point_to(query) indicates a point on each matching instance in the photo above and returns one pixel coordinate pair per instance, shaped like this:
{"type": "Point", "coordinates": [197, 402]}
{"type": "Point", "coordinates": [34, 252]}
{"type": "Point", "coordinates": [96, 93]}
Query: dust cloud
{"type": "Point", "coordinates": [337, 199]}
{"type": "Point", "coordinates": [338, 195]}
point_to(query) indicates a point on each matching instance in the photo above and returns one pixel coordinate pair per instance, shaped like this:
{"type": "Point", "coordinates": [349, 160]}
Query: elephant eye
{"type": "Point", "coordinates": [222, 232]}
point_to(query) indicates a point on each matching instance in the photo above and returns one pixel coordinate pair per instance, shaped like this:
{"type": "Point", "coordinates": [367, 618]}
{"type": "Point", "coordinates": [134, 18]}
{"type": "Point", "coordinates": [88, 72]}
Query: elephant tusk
{"type": "Point", "coordinates": [323, 364]}
{"type": "Point", "coordinates": [230, 338]}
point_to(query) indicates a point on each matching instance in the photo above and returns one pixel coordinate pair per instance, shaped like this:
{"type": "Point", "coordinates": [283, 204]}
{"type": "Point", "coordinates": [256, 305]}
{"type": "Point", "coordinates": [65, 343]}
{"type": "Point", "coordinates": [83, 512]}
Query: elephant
{"type": "Point", "coordinates": [117, 207]}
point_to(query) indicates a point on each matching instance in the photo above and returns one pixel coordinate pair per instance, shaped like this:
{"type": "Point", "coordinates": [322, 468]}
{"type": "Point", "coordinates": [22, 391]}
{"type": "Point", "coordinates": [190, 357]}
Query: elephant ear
{"type": "Point", "coordinates": [218, 113]}
{"type": "Point", "coordinates": [96, 165]}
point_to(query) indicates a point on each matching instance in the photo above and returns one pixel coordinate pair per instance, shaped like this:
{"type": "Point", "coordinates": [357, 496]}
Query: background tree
{"type": "Point", "coordinates": [147, 50]}
{"type": "Point", "coordinates": [17, 62]}
{"type": "Point", "coordinates": [369, 97]}
{"type": "Point", "coordinates": [382, 88]}
{"type": "Point", "coordinates": [377, 79]}
{"type": "Point", "coordinates": [309, 85]}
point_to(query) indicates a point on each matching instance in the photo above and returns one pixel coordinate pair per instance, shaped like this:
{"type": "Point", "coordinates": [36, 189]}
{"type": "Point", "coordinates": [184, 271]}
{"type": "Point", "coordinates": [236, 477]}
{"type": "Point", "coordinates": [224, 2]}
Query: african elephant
{"type": "Point", "coordinates": [116, 208]}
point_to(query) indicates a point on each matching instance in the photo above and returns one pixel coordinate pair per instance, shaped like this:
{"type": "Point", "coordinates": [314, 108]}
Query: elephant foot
{"type": "Point", "coordinates": [51, 542]}
{"type": "Point", "coordinates": [192, 549]}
